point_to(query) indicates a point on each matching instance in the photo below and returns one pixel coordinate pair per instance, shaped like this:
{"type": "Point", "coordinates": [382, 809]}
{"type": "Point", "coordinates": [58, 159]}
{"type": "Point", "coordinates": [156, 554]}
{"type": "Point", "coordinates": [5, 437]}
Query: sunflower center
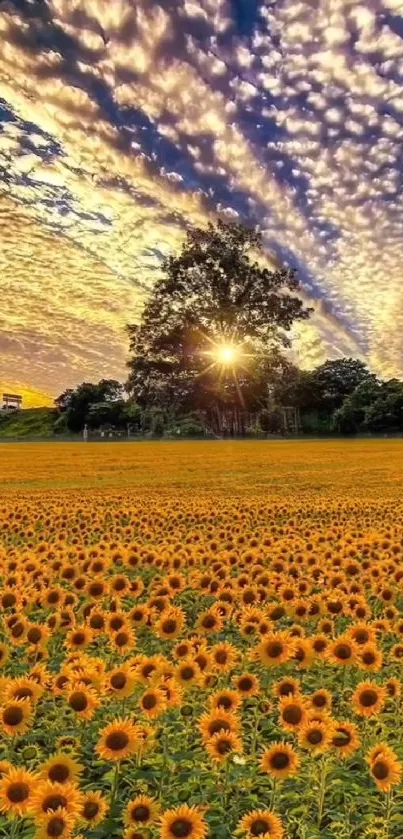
{"type": "Point", "coordinates": [280, 760]}
{"type": "Point", "coordinates": [78, 639]}
{"type": "Point", "coordinates": [55, 827]}
{"type": "Point", "coordinates": [187, 673]}
{"type": "Point", "coordinates": [78, 701]}
{"type": "Point", "coordinates": [149, 701]}
{"type": "Point", "coordinates": [96, 589]}
{"type": "Point", "coordinates": [169, 626]}
{"type": "Point", "coordinates": [117, 741]}
{"type": "Point", "coordinates": [13, 715]}
{"type": "Point", "coordinates": [181, 828]}
{"type": "Point", "coordinates": [343, 652]}
{"type": "Point", "coordinates": [90, 810]}
{"type": "Point", "coordinates": [292, 714]}
{"type": "Point", "coordinates": [141, 813]}
{"type": "Point", "coordinates": [380, 770]}
{"type": "Point", "coordinates": [315, 737]}
{"type": "Point", "coordinates": [18, 792]}
{"type": "Point", "coordinates": [208, 622]}
{"type": "Point", "coordinates": [116, 623]}
{"type": "Point", "coordinates": [219, 725]}
{"type": "Point", "coordinates": [245, 683]}
{"type": "Point", "coordinates": [118, 681]}
{"type": "Point", "coordinates": [121, 639]}
{"type": "Point", "coordinates": [319, 701]}
{"type": "Point", "coordinates": [274, 649]}
{"type": "Point", "coordinates": [224, 747]}
{"type": "Point", "coordinates": [225, 702]}
{"type": "Point", "coordinates": [368, 698]}
{"type": "Point", "coordinates": [53, 802]}
{"type": "Point", "coordinates": [221, 657]}
{"type": "Point", "coordinates": [259, 827]}
{"type": "Point", "coordinates": [23, 693]}
{"type": "Point", "coordinates": [341, 738]}
{"type": "Point", "coordinates": [286, 688]}
{"type": "Point", "coordinates": [34, 635]}
{"type": "Point", "coordinates": [97, 622]}
{"type": "Point", "coordinates": [368, 657]}
{"type": "Point", "coordinates": [59, 773]}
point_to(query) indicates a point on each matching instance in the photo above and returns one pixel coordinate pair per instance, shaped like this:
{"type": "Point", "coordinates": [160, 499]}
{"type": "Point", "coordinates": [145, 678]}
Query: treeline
{"type": "Point", "coordinates": [340, 396]}
{"type": "Point", "coordinates": [207, 356]}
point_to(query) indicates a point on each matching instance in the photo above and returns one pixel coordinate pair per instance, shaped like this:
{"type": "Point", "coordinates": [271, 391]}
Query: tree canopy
{"type": "Point", "coordinates": [217, 290]}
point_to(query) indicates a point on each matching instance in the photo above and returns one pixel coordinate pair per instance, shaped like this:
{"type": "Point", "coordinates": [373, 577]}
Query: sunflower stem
{"type": "Point", "coordinates": [273, 794]}
{"type": "Point", "coordinates": [115, 783]}
{"type": "Point", "coordinates": [322, 790]}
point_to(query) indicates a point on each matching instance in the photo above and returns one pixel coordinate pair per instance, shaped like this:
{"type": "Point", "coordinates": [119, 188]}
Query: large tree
{"type": "Point", "coordinates": [217, 292]}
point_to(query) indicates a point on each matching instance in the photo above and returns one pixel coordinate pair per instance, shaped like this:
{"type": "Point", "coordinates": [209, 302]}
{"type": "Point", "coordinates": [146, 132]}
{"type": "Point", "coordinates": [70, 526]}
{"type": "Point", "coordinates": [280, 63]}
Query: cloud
{"type": "Point", "coordinates": [124, 123]}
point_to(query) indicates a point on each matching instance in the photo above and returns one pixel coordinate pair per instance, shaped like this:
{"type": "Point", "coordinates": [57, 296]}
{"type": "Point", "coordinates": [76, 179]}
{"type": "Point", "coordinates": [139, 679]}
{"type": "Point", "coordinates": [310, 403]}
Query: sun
{"type": "Point", "coordinates": [227, 354]}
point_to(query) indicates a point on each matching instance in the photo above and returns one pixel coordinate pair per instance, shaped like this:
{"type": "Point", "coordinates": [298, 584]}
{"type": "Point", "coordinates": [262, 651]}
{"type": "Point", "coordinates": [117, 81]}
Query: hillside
{"type": "Point", "coordinates": [33, 422]}
{"type": "Point", "coordinates": [31, 398]}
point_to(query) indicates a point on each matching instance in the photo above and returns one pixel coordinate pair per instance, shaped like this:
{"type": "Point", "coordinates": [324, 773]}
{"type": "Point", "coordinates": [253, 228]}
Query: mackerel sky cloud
{"type": "Point", "coordinates": [124, 121]}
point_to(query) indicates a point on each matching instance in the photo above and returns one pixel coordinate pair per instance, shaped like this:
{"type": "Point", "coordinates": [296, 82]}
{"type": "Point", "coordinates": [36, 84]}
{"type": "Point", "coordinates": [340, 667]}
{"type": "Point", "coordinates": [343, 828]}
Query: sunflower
{"type": "Point", "coordinates": [37, 635]}
{"type": "Point", "coordinates": [315, 736]}
{"type": "Point", "coordinates": [15, 716]}
{"type": "Point", "coordinates": [246, 685]}
{"type": "Point", "coordinates": [16, 791]}
{"type": "Point", "coordinates": [153, 702]}
{"type": "Point", "coordinates": [170, 624]}
{"type": "Point", "coordinates": [23, 688]}
{"type": "Point", "coordinates": [5, 767]}
{"type": "Point", "coordinates": [342, 651]}
{"type": "Point", "coordinates": [385, 768]}
{"type": "Point", "coordinates": [183, 823]}
{"type": "Point", "coordinates": [222, 746]}
{"type": "Point", "coordinates": [362, 633]}
{"type": "Point", "coordinates": [139, 615]}
{"type": "Point", "coordinates": [123, 641]}
{"type": "Point", "coordinates": [303, 653]}
{"type": "Point", "coordinates": [321, 700]}
{"type": "Point", "coordinates": [263, 823]}
{"type": "Point", "coordinates": [293, 713]}
{"type": "Point", "coordinates": [83, 701]}
{"type": "Point", "coordinates": [368, 699]}
{"type": "Point", "coordinates": [3, 654]}
{"type": "Point", "coordinates": [188, 673]}
{"type": "Point", "coordinates": [275, 649]}
{"type": "Point", "coordinates": [118, 740]}
{"type": "Point", "coordinates": [320, 644]}
{"type": "Point", "coordinates": [94, 808]}
{"type": "Point", "coordinates": [370, 658]}
{"type": "Point", "coordinates": [280, 761]}
{"type": "Point", "coordinates": [121, 681]}
{"type": "Point", "coordinates": [393, 688]}
{"type": "Point", "coordinates": [56, 824]}
{"type": "Point", "coordinates": [172, 692]}
{"type": "Point", "coordinates": [145, 735]}
{"type": "Point", "coordinates": [218, 721]}
{"type": "Point", "coordinates": [209, 622]}
{"type": "Point", "coordinates": [141, 811]}
{"type": "Point", "coordinates": [79, 638]}
{"type": "Point", "coordinates": [286, 687]}
{"type": "Point", "coordinates": [49, 797]}
{"type": "Point", "coordinates": [227, 700]}
{"type": "Point", "coordinates": [131, 833]}
{"type": "Point", "coordinates": [345, 738]}
{"type": "Point", "coordinates": [61, 769]}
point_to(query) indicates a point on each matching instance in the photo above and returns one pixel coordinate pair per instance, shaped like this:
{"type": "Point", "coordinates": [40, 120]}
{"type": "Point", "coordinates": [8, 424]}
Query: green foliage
{"type": "Point", "coordinates": [213, 291]}
{"type": "Point", "coordinates": [32, 422]}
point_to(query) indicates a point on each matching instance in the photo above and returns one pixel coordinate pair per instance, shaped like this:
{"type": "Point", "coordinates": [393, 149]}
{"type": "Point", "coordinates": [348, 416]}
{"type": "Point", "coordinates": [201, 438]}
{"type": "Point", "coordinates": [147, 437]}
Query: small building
{"type": "Point", "coordinates": [11, 402]}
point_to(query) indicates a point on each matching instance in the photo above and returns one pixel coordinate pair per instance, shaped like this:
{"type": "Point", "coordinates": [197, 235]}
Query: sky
{"type": "Point", "coordinates": [124, 122]}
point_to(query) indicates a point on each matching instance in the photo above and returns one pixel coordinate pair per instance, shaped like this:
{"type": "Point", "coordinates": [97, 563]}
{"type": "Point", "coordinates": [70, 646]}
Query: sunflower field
{"type": "Point", "coordinates": [201, 640]}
